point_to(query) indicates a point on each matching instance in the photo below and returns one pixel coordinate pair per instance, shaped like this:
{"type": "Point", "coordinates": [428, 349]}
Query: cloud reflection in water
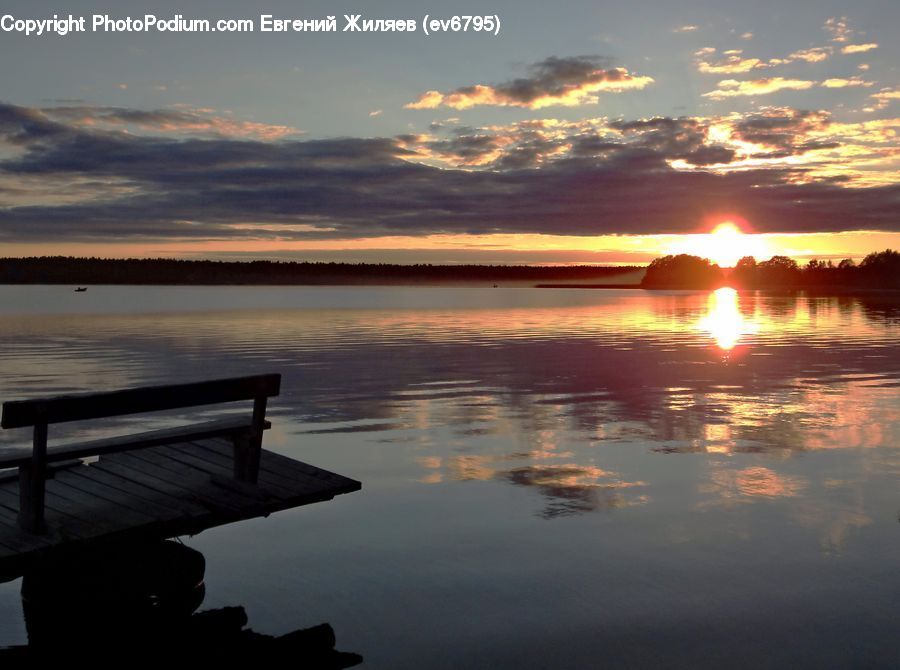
{"type": "Point", "coordinates": [515, 386]}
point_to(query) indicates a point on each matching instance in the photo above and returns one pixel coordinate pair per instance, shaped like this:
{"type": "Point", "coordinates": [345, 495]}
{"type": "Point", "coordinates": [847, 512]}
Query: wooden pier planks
{"type": "Point", "coordinates": [155, 493]}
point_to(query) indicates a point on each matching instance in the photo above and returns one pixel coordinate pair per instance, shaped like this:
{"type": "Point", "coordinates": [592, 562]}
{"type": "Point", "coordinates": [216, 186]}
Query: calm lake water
{"type": "Point", "coordinates": [551, 478]}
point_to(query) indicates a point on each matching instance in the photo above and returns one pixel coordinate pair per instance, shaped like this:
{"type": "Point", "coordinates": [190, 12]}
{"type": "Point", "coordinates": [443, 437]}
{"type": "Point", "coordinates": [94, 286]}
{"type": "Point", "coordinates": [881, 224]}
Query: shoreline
{"type": "Point", "coordinates": [817, 291]}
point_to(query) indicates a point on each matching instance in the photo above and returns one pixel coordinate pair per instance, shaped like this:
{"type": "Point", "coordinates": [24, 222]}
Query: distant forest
{"type": "Point", "coordinates": [86, 271]}
{"type": "Point", "coordinates": [880, 270]}
{"type": "Point", "coordinates": [875, 271]}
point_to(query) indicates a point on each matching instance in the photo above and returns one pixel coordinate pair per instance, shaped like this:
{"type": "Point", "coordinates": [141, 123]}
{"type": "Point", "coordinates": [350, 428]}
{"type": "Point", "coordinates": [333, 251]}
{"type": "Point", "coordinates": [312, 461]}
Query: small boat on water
{"type": "Point", "coordinates": [80, 289]}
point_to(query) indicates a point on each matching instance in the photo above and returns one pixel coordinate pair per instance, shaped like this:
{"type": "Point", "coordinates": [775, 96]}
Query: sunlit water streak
{"type": "Point", "coordinates": [633, 473]}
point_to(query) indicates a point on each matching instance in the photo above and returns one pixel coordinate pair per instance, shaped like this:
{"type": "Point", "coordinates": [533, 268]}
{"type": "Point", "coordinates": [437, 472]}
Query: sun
{"type": "Point", "coordinates": [724, 245]}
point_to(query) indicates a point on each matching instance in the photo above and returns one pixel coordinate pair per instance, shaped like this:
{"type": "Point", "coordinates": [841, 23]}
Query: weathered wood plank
{"type": "Point", "coordinates": [7, 509]}
{"type": "Point", "coordinates": [153, 475]}
{"type": "Point", "coordinates": [65, 522]}
{"type": "Point", "coordinates": [279, 464]}
{"type": "Point", "coordinates": [196, 456]}
{"type": "Point", "coordinates": [198, 482]}
{"type": "Point", "coordinates": [93, 486]}
{"type": "Point", "coordinates": [12, 540]}
{"type": "Point", "coordinates": [309, 481]}
{"type": "Point", "coordinates": [140, 492]}
{"type": "Point", "coordinates": [220, 452]}
{"type": "Point", "coordinates": [210, 509]}
{"type": "Point", "coordinates": [12, 533]}
{"type": "Point", "coordinates": [109, 515]}
{"type": "Point", "coordinates": [12, 544]}
{"type": "Point", "coordinates": [78, 407]}
{"type": "Point", "coordinates": [306, 488]}
{"type": "Point", "coordinates": [299, 485]}
{"type": "Point", "coordinates": [133, 469]}
{"type": "Point", "coordinates": [7, 515]}
{"type": "Point", "coordinates": [219, 470]}
{"type": "Point", "coordinates": [89, 510]}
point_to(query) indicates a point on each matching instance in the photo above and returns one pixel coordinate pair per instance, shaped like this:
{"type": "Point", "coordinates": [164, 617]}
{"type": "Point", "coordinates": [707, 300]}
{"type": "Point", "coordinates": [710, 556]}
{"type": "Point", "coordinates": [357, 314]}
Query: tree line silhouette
{"type": "Point", "coordinates": [877, 270]}
{"type": "Point", "coordinates": [68, 270]}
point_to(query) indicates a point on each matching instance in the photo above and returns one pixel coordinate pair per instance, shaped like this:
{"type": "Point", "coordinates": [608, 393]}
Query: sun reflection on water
{"type": "Point", "coordinates": [724, 321]}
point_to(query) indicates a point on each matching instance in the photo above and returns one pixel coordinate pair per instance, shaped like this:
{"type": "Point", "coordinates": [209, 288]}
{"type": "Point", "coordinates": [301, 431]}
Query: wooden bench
{"type": "Point", "coordinates": [244, 433]}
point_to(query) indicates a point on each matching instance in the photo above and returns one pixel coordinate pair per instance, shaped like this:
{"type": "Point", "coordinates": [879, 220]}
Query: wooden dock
{"type": "Point", "coordinates": [152, 485]}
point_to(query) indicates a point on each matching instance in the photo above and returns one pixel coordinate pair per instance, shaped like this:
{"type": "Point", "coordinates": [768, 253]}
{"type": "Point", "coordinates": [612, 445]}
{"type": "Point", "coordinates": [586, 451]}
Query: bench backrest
{"type": "Point", "coordinates": [39, 413]}
{"type": "Point", "coordinates": [21, 413]}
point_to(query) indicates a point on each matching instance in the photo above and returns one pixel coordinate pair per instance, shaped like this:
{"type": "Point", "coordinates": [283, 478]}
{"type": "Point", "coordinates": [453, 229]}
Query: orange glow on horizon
{"type": "Point", "coordinates": [496, 248]}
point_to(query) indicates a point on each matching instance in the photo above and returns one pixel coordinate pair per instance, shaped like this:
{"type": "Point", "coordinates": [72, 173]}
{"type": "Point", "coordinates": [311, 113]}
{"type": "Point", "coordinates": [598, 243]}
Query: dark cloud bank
{"type": "Point", "coordinates": [203, 187]}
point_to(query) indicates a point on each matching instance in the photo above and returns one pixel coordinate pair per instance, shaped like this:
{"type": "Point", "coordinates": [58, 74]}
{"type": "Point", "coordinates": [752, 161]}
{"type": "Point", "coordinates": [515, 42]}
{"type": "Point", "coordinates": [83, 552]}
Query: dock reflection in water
{"type": "Point", "coordinates": [138, 603]}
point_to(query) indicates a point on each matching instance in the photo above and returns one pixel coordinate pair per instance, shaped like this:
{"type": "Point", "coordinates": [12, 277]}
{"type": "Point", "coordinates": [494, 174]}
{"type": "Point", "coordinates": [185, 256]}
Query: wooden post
{"type": "Point", "coordinates": [32, 483]}
{"type": "Point", "coordinates": [247, 447]}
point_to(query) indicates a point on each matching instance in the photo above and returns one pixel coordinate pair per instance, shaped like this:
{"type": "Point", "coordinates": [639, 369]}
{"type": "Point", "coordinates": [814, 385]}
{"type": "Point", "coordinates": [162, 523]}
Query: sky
{"type": "Point", "coordinates": [581, 132]}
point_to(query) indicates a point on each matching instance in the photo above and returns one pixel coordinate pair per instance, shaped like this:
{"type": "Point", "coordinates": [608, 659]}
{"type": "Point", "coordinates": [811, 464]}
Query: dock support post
{"type": "Point", "coordinates": [32, 483]}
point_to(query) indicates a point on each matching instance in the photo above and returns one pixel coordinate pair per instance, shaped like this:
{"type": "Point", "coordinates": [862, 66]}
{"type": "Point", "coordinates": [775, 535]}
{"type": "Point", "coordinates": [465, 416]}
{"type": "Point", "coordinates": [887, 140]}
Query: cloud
{"type": "Point", "coordinates": [857, 154]}
{"type": "Point", "coordinates": [537, 143]}
{"type": "Point", "coordinates": [376, 112]}
{"type": "Point", "coordinates": [29, 127]}
{"type": "Point", "coordinates": [466, 147]}
{"type": "Point", "coordinates": [586, 178]}
{"type": "Point", "coordinates": [840, 82]}
{"type": "Point", "coordinates": [553, 81]}
{"type": "Point", "coordinates": [883, 98]}
{"type": "Point", "coordinates": [858, 48]}
{"type": "Point", "coordinates": [574, 489]}
{"type": "Point", "coordinates": [684, 139]}
{"type": "Point", "coordinates": [428, 100]}
{"type": "Point", "coordinates": [733, 61]}
{"type": "Point", "coordinates": [811, 55]}
{"type": "Point", "coordinates": [887, 94]}
{"type": "Point", "coordinates": [686, 29]}
{"type": "Point", "coordinates": [747, 36]}
{"type": "Point", "coordinates": [729, 88]}
{"type": "Point", "coordinates": [731, 64]}
{"type": "Point", "coordinates": [189, 121]}
{"type": "Point", "coordinates": [838, 28]}
{"type": "Point", "coordinates": [784, 129]}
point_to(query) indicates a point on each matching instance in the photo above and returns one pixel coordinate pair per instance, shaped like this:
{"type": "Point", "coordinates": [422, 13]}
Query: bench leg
{"type": "Point", "coordinates": [247, 447]}
{"type": "Point", "coordinates": [246, 458]}
{"type": "Point", "coordinates": [32, 483]}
